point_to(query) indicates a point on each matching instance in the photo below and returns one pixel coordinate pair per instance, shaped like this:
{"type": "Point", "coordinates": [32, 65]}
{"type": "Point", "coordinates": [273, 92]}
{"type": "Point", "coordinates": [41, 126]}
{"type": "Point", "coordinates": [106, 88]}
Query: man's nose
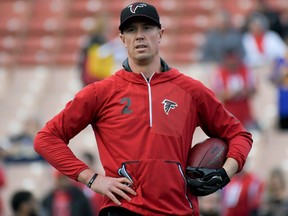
{"type": "Point", "coordinates": [139, 34]}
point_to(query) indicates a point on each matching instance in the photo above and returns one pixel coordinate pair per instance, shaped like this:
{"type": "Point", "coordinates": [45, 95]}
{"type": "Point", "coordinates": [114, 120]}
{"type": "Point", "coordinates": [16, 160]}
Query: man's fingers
{"type": "Point", "coordinates": [121, 193]}
{"type": "Point", "coordinates": [113, 198]}
{"type": "Point", "coordinates": [125, 186]}
{"type": "Point", "coordinates": [114, 188]}
{"type": "Point", "coordinates": [125, 181]}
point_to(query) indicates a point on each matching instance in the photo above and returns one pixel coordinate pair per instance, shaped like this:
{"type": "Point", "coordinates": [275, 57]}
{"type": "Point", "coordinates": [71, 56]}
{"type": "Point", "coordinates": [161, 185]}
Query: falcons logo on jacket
{"type": "Point", "coordinates": [168, 105]}
{"type": "Point", "coordinates": [133, 7]}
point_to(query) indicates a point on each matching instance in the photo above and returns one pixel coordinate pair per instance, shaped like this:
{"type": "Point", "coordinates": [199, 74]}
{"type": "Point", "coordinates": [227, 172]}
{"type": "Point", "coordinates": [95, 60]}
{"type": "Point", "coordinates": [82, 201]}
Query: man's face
{"type": "Point", "coordinates": [141, 40]}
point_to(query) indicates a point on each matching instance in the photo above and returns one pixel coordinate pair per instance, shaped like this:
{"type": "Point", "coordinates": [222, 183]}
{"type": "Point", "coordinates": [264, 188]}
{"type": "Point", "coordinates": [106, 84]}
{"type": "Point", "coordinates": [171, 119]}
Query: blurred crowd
{"type": "Point", "coordinates": [248, 195]}
{"type": "Point", "coordinates": [237, 53]}
{"type": "Point", "coordinates": [245, 195]}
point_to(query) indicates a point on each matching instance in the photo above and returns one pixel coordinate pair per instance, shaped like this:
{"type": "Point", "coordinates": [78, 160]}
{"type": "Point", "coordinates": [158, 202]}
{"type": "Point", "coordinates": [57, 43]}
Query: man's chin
{"type": "Point", "coordinates": [142, 57]}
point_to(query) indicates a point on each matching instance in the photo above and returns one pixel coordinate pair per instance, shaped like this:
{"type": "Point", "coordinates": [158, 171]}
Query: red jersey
{"type": "Point", "coordinates": [148, 126]}
{"type": "Point", "coordinates": [240, 80]}
{"type": "Point", "coordinates": [242, 196]}
{"type": "Point", "coordinates": [61, 204]}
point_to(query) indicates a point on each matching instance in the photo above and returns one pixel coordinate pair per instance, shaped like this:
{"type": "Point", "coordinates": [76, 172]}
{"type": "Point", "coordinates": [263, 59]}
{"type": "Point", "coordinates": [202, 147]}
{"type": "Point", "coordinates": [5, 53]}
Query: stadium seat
{"type": "Point", "coordinates": [70, 20]}
{"type": "Point", "coordinates": [78, 25]}
{"type": "Point", "coordinates": [85, 8]}
{"type": "Point", "coordinates": [13, 16]}
{"type": "Point", "coordinates": [66, 58]}
{"type": "Point", "coordinates": [7, 59]}
{"type": "Point", "coordinates": [199, 7]}
{"type": "Point", "coordinates": [36, 58]}
{"type": "Point", "coordinates": [72, 43]}
{"type": "Point", "coordinates": [47, 17]}
{"type": "Point", "coordinates": [34, 44]}
{"type": "Point", "coordinates": [9, 42]}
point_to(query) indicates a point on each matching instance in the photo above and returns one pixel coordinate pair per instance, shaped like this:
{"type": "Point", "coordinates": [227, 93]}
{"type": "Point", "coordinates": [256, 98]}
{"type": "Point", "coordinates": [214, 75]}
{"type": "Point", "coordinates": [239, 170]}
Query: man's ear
{"type": "Point", "coordinates": [122, 38]}
{"type": "Point", "coordinates": [161, 32]}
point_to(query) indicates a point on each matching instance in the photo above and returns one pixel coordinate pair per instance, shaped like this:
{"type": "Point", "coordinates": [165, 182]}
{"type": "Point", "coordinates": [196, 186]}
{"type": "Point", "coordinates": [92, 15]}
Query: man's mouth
{"type": "Point", "coordinates": [141, 46]}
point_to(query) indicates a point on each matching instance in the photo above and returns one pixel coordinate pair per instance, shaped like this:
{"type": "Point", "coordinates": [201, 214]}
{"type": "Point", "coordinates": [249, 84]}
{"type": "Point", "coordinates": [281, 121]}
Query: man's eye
{"type": "Point", "coordinates": [148, 27]}
{"type": "Point", "coordinates": [130, 29]}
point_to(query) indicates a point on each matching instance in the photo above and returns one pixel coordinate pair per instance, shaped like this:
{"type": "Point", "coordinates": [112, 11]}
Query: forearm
{"type": "Point", "coordinates": [231, 167]}
{"type": "Point", "coordinates": [85, 176]}
{"type": "Point", "coordinates": [58, 154]}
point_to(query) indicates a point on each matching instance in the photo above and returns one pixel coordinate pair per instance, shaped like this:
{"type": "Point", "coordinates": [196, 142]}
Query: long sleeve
{"type": "Point", "coordinates": [216, 121]}
{"type": "Point", "coordinates": [52, 141]}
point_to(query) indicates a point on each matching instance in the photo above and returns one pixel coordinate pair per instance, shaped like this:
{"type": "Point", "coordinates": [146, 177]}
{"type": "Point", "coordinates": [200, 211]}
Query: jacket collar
{"type": "Point", "coordinates": [164, 66]}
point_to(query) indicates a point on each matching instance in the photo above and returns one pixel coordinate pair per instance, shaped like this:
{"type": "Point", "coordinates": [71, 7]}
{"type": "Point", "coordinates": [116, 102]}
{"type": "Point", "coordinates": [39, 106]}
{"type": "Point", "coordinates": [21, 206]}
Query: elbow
{"type": "Point", "coordinates": [38, 143]}
{"type": "Point", "coordinates": [41, 141]}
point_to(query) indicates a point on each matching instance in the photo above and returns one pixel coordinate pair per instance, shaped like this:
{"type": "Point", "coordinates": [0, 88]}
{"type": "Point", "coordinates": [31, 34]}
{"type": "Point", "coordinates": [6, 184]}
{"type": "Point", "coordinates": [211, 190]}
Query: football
{"type": "Point", "coordinates": [210, 153]}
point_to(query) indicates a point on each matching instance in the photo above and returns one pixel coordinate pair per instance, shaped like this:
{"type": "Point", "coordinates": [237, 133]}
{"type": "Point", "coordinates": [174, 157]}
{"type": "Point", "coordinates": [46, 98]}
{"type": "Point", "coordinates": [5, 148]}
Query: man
{"type": "Point", "coordinates": [220, 37]}
{"type": "Point", "coordinates": [23, 203]}
{"type": "Point", "coordinates": [144, 118]}
{"type": "Point", "coordinates": [65, 199]}
{"type": "Point", "coordinates": [235, 85]}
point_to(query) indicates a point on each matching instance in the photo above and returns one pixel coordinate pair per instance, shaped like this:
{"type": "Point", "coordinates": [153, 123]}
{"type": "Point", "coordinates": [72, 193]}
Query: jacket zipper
{"type": "Point", "coordinates": [181, 171]}
{"type": "Point", "coordinates": [149, 97]}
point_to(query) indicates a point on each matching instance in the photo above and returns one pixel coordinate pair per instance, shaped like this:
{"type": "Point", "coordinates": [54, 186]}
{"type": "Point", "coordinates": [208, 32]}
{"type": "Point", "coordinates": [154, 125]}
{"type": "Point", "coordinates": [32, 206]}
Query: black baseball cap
{"type": "Point", "coordinates": [139, 9]}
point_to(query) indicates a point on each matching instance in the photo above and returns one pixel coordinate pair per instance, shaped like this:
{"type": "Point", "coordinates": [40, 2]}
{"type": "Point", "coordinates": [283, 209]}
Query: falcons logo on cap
{"type": "Point", "coordinates": [133, 7]}
{"type": "Point", "coordinates": [168, 105]}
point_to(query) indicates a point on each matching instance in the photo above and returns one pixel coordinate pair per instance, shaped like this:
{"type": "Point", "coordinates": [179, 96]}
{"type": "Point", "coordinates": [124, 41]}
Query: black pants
{"type": "Point", "coordinates": [117, 211]}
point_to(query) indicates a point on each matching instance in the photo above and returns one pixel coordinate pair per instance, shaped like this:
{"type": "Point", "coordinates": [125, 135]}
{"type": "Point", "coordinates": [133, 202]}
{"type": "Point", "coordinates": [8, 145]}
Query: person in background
{"type": "Point", "coordinates": [279, 77]}
{"type": "Point", "coordinates": [23, 203]}
{"type": "Point", "coordinates": [276, 199]}
{"type": "Point", "coordinates": [100, 53]}
{"type": "Point", "coordinates": [65, 199]}
{"type": "Point", "coordinates": [210, 205]}
{"type": "Point", "coordinates": [94, 65]}
{"type": "Point", "coordinates": [262, 46]}
{"type": "Point", "coordinates": [272, 16]}
{"type": "Point", "coordinates": [243, 195]}
{"type": "Point", "coordinates": [221, 37]}
{"type": "Point", "coordinates": [235, 85]}
{"type": "Point", "coordinates": [284, 23]}
{"type": "Point", "coordinates": [18, 147]}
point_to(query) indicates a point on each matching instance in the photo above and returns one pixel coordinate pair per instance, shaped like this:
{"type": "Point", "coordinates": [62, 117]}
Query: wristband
{"type": "Point", "coordinates": [92, 180]}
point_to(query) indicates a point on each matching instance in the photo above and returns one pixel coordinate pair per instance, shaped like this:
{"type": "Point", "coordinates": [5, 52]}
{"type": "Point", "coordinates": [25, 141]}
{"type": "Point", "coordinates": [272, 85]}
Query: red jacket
{"type": "Point", "coordinates": [148, 126]}
{"type": "Point", "coordinates": [238, 105]}
{"type": "Point", "coordinates": [243, 195]}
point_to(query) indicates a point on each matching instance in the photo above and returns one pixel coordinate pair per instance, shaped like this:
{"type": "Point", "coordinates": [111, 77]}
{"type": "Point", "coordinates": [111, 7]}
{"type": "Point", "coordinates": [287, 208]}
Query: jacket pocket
{"type": "Point", "coordinates": [159, 183]}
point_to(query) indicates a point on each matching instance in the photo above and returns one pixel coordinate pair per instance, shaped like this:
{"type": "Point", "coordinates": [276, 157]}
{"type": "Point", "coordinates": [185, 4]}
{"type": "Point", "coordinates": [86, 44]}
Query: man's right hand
{"type": "Point", "coordinates": [113, 188]}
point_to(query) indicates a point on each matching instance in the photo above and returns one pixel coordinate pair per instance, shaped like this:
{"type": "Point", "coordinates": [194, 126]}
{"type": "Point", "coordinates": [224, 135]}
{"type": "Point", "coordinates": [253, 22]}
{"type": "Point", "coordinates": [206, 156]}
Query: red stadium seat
{"type": "Point", "coordinates": [65, 58]}
{"type": "Point", "coordinates": [9, 43]}
{"type": "Point", "coordinates": [36, 58]}
{"type": "Point", "coordinates": [7, 59]}
{"type": "Point", "coordinates": [13, 16]}
{"type": "Point", "coordinates": [47, 17]}
{"type": "Point", "coordinates": [44, 23]}
{"type": "Point", "coordinates": [17, 9]}
{"type": "Point", "coordinates": [78, 25]}
{"type": "Point", "coordinates": [203, 7]}
{"type": "Point", "coordinates": [85, 8]}
{"type": "Point", "coordinates": [45, 43]}
{"type": "Point", "coordinates": [72, 43]}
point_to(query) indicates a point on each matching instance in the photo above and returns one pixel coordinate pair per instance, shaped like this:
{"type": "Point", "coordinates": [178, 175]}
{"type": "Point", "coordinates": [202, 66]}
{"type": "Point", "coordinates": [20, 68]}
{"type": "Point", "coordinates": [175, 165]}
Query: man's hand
{"type": "Point", "coordinates": [113, 188]}
{"type": "Point", "coordinates": [203, 181]}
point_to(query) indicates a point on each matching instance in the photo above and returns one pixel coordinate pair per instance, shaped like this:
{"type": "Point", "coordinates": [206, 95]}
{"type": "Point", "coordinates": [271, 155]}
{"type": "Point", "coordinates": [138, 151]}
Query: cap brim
{"type": "Point", "coordinates": [125, 22]}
